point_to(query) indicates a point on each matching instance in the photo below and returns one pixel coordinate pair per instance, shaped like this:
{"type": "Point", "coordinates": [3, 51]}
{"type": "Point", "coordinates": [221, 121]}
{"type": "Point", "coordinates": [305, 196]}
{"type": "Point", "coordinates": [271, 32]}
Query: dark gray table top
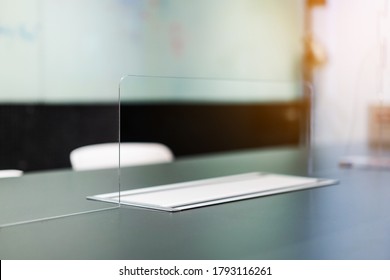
{"type": "Point", "coordinates": [350, 220]}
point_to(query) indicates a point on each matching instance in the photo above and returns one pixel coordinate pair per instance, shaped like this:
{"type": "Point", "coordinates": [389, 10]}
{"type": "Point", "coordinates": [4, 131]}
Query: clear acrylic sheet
{"type": "Point", "coordinates": [152, 92]}
{"type": "Point", "coordinates": [44, 194]}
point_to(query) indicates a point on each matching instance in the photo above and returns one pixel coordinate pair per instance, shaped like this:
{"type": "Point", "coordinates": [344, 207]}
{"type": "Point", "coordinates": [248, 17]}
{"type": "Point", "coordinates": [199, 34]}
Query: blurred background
{"type": "Point", "coordinates": [61, 62]}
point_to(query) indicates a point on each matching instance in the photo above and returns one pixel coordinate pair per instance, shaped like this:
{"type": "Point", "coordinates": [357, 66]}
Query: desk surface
{"type": "Point", "coordinates": [346, 221]}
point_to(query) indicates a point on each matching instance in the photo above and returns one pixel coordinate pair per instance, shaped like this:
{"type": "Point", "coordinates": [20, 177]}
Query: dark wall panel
{"type": "Point", "coordinates": [195, 129]}
{"type": "Point", "coordinates": [36, 137]}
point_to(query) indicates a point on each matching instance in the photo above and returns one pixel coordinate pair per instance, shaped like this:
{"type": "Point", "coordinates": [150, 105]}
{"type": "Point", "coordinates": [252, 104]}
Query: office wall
{"type": "Point", "coordinates": [61, 62]}
{"type": "Point", "coordinates": [76, 51]}
{"type": "Point", "coordinates": [37, 137]}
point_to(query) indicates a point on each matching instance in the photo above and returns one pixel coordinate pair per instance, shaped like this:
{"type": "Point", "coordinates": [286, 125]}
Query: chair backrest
{"type": "Point", "coordinates": [101, 156]}
{"type": "Point", "coordinates": [8, 173]}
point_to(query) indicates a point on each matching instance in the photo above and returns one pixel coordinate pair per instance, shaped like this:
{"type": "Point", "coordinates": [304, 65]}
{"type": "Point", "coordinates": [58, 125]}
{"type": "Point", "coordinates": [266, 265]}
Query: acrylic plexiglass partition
{"type": "Point", "coordinates": [175, 112]}
{"type": "Point", "coordinates": [47, 187]}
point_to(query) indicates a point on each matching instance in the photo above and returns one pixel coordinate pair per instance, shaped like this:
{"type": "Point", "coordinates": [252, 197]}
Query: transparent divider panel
{"type": "Point", "coordinates": [44, 192]}
{"type": "Point", "coordinates": [198, 116]}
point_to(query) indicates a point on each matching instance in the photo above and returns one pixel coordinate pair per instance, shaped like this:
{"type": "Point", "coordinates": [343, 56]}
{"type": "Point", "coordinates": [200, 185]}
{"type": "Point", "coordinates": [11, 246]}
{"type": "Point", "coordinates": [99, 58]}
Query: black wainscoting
{"type": "Point", "coordinates": [204, 128]}
{"type": "Point", "coordinates": [36, 137]}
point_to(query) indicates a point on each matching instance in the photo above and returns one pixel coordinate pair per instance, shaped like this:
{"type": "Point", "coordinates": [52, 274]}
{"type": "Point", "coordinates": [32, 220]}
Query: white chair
{"type": "Point", "coordinates": [101, 156]}
{"type": "Point", "coordinates": [8, 173]}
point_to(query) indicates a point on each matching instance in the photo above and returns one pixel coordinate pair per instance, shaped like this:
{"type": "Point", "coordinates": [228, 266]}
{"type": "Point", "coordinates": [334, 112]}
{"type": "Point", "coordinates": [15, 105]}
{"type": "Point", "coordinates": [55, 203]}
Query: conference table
{"type": "Point", "coordinates": [349, 220]}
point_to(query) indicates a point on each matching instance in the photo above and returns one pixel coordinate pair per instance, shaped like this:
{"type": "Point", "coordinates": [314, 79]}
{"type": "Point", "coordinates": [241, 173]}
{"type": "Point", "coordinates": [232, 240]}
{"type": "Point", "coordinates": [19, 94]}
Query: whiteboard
{"type": "Point", "coordinates": [77, 50]}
